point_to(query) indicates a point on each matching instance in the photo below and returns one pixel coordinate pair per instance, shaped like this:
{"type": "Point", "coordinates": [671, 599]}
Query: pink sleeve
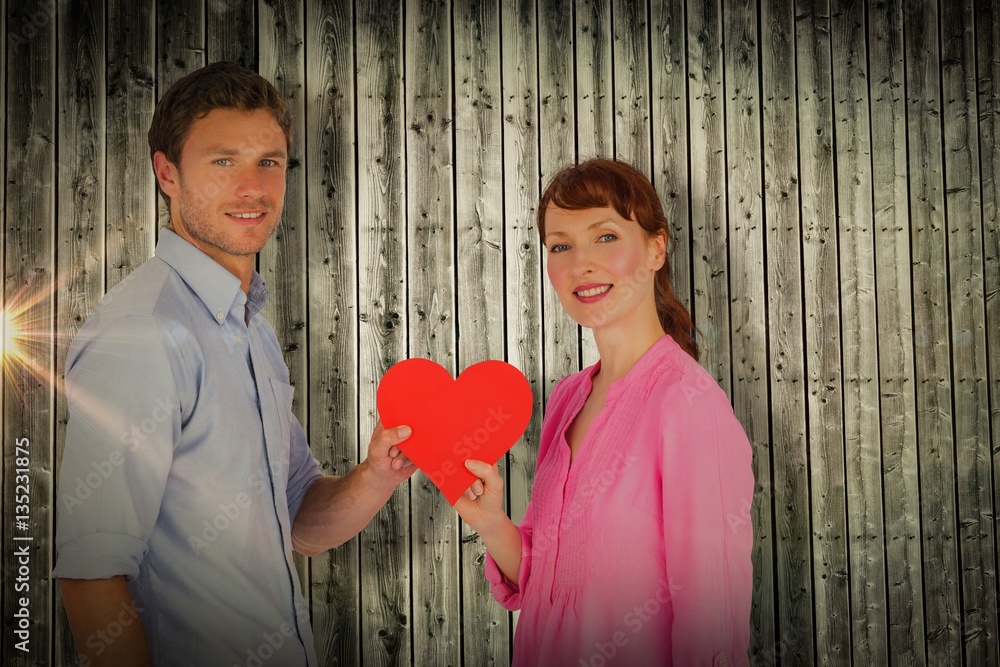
{"type": "Point", "coordinates": [708, 489]}
{"type": "Point", "coordinates": [507, 592]}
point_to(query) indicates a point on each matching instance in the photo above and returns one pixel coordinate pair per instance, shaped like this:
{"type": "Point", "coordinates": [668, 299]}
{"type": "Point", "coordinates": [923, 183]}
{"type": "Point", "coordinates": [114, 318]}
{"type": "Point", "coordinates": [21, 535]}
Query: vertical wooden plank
{"type": "Point", "coordinates": [708, 187]}
{"type": "Point", "coordinates": [965, 284]}
{"type": "Point", "coordinates": [519, 76]}
{"type": "Point", "coordinates": [180, 49]}
{"type": "Point", "coordinates": [748, 298]}
{"type": "Point", "coordinates": [988, 68]}
{"type": "Point", "coordinates": [557, 122]}
{"type": "Point", "coordinates": [631, 84]}
{"type": "Point", "coordinates": [794, 641]}
{"type": "Point", "coordinates": [669, 126]}
{"type": "Point", "coordinates": [434, 540]}
{"type": "Point", "coordinates": [328, 147]}
{"type": "Point", "coordinates": [860, 358]}
{"type": "Point", "coordinates": [382, 312]}
{"type": "Point", "coordinates": [895, 334]}
{"type": "Point", "coordinates": [595, 121]}
{"type": "Point", "coordinates": [480, 244]}
{"type": "Point", "coordinates": [281, 61]}
{"type": "Point", "coordinates": [29, 290]}
{"type": "Point", "coordinates": [822, 331]}
{"type": "Point", "coordinates": [932, 349]}
{"type": "Point", "coordinates": [232, 32]}
{"type": "Point", "coordinates": [80, 230]}
{"type": "Point", "coordinates": [131, 186]}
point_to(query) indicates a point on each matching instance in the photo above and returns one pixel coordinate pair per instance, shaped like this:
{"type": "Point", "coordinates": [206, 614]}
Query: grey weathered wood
{"type": "Point", "coordinates": [706, 130]}
{"type": "Point", "coordinates": [131, 187]}
{"type": "Point", "coordinates": [976, 520]}
{"type": "Point", "coordinates": [80, 232]}
{"type": "Point", "coordinates": [822, 331]}
{"type": "Point", "coordinates": [430, 262]}
{"type": "Point", "coordinates": [595, 121]}
{"type": "Point", "coordinates": [794, 640]}
{"type": "Point", "coordinates": [557, 120]}
{"type": "Point", "coordinates": [932, 351]}
{"type": "Point", "coordinates": [895, 334]}
{"type": "Point", "coordinates": [382, 311]}
{"type": "Point", "coordinates": [859, 358]}
{"type": "Point", "coordinates": [631, 84]}
{"type": "Point", "coordinates": [331, 223]}
{"type": "Point", "coordinates": [748, 298]}
{"type": "Point", "coordinates": [988, 67]}
{"type": "Point", "coordinates": [669, 123]}
{"type": "Point", "coordinates": [519, 72]}
{"type": "Point", "coordinates": [29, 298]}
{"type": "Point", "coordinates": [485, 628]}
{"type": "Point", "coordinates": [180, 49]}
{"type": "Point", "coordinates": [233, 32]}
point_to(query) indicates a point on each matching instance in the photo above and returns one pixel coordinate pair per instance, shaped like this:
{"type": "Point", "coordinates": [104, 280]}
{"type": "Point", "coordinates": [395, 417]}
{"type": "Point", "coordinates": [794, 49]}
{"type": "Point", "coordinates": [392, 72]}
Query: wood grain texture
{"type": "Point", "coordinates": [480, 287]}
{"type": "Point", "coordinates": [932, 349]}
{"type": "Point", "coordinates": [430, 261]}
{"type": "Point", "coordinates": [631, 83]}
{"type": "Point", "coordinates": [858, 312]}
{"type": "Point", "coordinates": [822, 330]}
{"type": "Point", "coordinates": [331, 224]}
{"type": "Point", "coordinates": [988, 67]}
{"type": "Point", "coordinates": [29, 293]}
{"type": "Point", "coordinates": [233, 32]}
{"type": "Point", "coordinates": [706, 128]}
{"type": "Point", "coordinates": [386, 607]}
{"type": "Point", "coordinates": [80, 186]}
{"type": "Point", "coordinates": [557, 149]}
{"type": "Point", "coordinates": [793, 556]}
{"type": "Point", "coordinates": [895, 335]}
{"type": "Point", "coordinates": [748, 302]}
{"type": "Point", "coordinates": [963, 211]}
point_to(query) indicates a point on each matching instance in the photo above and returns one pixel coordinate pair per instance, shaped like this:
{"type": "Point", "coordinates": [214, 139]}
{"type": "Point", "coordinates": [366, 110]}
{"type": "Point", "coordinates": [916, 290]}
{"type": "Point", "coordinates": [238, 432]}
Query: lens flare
{"type": "Point", "coordinates": [26, 340]}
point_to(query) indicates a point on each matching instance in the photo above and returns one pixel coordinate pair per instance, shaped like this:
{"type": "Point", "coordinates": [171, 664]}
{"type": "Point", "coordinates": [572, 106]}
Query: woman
{"type": "Point", "coordinates": [635, 546]}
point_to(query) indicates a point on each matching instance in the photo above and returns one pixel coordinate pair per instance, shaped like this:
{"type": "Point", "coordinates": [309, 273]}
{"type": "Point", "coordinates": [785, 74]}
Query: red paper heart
{"type": "Point", "coordinates": [478, 416]}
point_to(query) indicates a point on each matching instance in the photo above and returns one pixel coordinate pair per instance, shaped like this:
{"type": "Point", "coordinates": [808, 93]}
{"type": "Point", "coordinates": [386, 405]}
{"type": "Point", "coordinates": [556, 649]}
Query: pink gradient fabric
{"type": "Point", "coordinates": [639, 552]}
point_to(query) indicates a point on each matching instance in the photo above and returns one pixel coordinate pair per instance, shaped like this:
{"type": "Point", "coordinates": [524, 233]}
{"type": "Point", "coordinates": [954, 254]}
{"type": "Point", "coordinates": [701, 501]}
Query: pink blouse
{"type": "Point", "coordinates": [639, 552]}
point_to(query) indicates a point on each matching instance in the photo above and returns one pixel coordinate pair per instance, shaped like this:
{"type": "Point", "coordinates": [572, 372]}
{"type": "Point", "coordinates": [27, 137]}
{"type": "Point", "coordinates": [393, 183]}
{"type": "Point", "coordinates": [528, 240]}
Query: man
{"type": "Point", "coordinates": [186, 480]}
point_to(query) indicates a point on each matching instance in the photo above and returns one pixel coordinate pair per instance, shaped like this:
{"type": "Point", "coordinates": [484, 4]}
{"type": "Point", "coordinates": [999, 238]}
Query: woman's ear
{"type": "Point", "coordinates": [658, 250]}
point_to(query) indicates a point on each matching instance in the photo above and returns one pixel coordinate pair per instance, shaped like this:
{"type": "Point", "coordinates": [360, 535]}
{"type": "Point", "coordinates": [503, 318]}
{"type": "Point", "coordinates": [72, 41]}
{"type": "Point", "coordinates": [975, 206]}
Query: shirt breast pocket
{"type": "Point", "coordinates": [278, 432]}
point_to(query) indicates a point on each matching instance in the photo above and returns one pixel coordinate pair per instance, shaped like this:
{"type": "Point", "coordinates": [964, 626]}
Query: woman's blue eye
{"type": "Point", "coordinates": [559, 247]}
{"type": "Point", "coordinates": [609, 237]}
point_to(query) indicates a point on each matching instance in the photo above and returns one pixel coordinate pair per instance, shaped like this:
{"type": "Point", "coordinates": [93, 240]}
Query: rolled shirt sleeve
{"type": "Point", "coordinates": [125, 418]}
{"type": "Point", "coordinates": [507, 592]}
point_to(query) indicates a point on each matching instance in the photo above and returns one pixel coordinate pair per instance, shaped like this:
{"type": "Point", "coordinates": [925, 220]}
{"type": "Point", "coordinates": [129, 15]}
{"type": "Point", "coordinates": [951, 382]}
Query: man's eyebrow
{"type": "Point", "coordinates": [226, 151]}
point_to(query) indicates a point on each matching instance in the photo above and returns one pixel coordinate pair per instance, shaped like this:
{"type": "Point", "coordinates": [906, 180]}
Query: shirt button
{"type": "Point", "coordinates": [220, 315]}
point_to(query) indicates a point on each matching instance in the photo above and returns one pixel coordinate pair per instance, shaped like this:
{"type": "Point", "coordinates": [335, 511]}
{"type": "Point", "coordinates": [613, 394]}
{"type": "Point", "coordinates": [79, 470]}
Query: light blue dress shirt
{"type": "Point", "coordinates": [184, 466]}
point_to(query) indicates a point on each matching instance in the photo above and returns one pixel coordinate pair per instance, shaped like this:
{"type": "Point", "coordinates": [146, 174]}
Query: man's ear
{"type": "Point", "coordinates": [167, 174]}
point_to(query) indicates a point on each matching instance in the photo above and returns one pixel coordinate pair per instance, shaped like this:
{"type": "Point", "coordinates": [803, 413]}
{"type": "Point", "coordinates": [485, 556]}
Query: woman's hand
{"type": "Point", "coordinates": [482, 504]}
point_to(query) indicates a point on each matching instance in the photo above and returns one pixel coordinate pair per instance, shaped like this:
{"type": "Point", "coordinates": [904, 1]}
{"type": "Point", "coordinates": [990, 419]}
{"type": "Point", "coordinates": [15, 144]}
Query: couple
{"type": "Point", "coordinates": [635, 548]}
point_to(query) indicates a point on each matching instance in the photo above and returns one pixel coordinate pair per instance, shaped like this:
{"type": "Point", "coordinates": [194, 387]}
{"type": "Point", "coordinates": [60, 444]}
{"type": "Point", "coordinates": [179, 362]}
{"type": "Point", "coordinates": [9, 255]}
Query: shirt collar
{"type": "Point", "coordinates": [650, 360]}
{"type": "Point", "coordinates": [216, 287]}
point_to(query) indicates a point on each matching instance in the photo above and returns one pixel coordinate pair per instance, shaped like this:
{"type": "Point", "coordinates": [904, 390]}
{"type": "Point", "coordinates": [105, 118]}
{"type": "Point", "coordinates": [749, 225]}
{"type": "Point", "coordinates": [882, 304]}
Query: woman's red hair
{"type": "Point", "coordinates": [602, 183]}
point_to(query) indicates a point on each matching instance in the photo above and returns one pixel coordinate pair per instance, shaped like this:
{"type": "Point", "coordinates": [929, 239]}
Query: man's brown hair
{"type": "Point", "coordinates": [221, 85]}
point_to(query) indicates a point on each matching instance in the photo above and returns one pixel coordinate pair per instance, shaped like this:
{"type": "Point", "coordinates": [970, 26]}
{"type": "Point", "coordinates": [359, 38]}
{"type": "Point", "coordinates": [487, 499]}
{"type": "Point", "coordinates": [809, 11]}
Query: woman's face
{"type": "Point", "coordinates": [602, 265]}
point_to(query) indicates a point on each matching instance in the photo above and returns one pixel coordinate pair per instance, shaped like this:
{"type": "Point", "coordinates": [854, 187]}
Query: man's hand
{"type": "Point", "coordinates": [385, 459]}
{"type": "Point", "coordinates": [335, 509]}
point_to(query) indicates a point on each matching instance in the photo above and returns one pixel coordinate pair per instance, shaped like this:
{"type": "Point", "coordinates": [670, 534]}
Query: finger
{"type": "Point", "coordinates": [490, 475]}
{"type": "Point", "coordinates": [477, 488]}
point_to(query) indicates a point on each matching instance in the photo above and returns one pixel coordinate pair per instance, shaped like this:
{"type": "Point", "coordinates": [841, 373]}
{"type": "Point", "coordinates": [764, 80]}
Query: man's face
{"type": "Point", "coordinates": [229, 188]}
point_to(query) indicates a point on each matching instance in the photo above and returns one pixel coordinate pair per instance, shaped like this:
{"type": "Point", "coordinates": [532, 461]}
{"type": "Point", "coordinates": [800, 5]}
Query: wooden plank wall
{"type": "Point", "coordinates": [831, 173]}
